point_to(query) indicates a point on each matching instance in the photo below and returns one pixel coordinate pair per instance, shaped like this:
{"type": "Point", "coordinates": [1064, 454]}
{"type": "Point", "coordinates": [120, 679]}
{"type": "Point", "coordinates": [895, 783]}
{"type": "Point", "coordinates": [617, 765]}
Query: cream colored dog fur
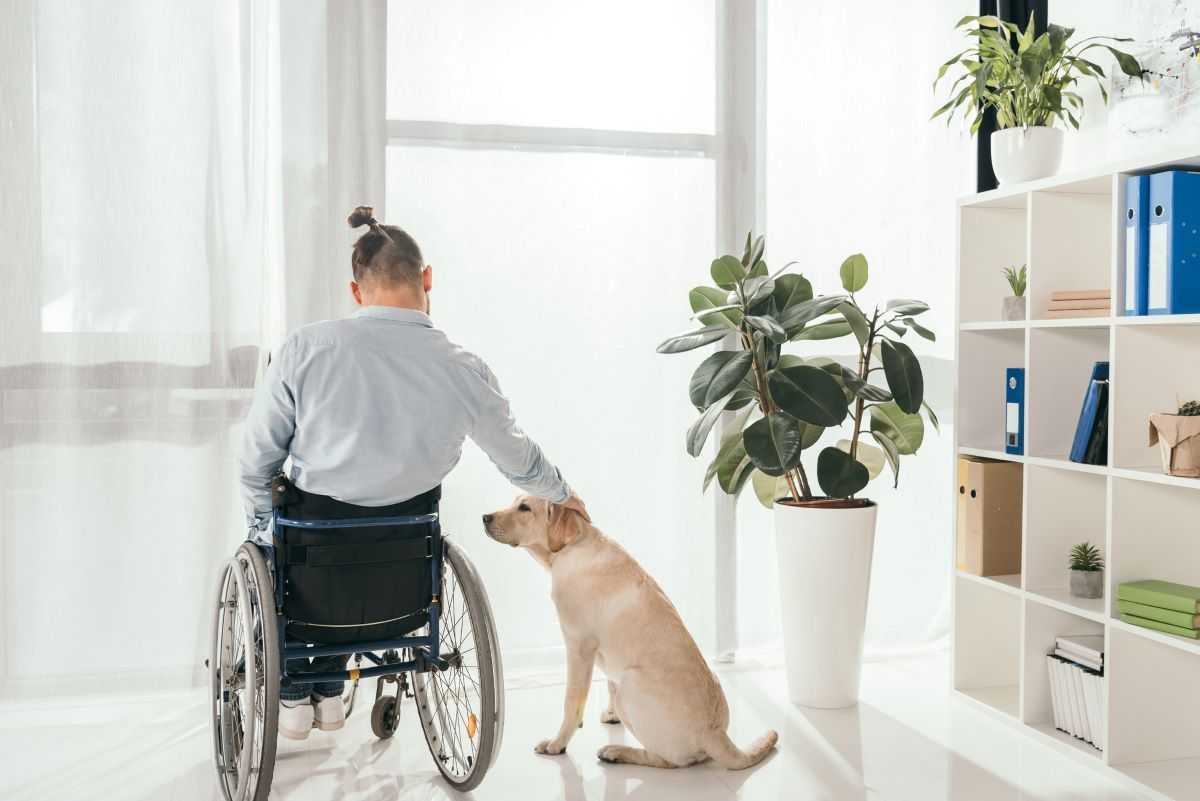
{"type": "Point", "coordinates": [613, 614]}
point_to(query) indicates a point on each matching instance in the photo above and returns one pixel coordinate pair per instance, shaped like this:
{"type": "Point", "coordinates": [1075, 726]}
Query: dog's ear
{"type": "Point", "coordinates": [563, 527]}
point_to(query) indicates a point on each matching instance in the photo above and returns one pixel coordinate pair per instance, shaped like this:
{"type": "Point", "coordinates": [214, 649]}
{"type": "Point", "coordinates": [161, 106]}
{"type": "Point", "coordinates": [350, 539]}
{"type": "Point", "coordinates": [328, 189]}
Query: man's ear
{"type": "Point", "coordinates": [427, 277]}
{"type": "Point", "coordinates": [564, 527]}
{"type": "Point", "coordinates": [356, 292]}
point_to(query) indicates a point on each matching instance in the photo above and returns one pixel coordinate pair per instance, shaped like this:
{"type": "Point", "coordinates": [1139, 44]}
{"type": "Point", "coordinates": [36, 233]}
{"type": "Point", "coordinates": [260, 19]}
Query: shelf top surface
{"type": "Point", "coordinates": [1093, 181]}
{"type": "Point", "coordinates": [1082, 322]}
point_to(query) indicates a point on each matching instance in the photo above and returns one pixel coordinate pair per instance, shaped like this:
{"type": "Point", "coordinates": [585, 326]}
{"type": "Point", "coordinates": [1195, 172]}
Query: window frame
{"type": "Point", "coordinates": [737, 149]}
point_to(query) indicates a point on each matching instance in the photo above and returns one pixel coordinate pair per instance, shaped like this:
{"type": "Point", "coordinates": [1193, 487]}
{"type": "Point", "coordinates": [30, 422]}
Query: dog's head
{"type": "Point", "coordinates": [535, 524]}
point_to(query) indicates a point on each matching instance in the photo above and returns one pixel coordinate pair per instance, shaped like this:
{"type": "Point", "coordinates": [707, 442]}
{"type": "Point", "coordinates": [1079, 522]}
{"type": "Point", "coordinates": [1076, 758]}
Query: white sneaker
{"type": "Point", "coordinates": [331, 714]}
{"type": "Point", "coordinates": [295, 722]}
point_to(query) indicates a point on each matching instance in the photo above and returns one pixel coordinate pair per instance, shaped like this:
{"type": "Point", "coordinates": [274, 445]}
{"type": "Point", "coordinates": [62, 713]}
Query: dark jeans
{"type": "Point", "coordinates": [299, 691]}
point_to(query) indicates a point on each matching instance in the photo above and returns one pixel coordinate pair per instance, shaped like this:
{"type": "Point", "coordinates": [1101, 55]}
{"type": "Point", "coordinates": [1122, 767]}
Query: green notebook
{"type": "Point", "coordinates": [1158, 625]}
{"type": "Point", "coordinates": [1163, 594]}
{"type": "Point", "coordinates": [1182, 619]}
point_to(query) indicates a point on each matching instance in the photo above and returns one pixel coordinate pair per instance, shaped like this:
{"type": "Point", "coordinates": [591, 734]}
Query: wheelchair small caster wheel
{"type": "Point", "coordinates": [384, 716]}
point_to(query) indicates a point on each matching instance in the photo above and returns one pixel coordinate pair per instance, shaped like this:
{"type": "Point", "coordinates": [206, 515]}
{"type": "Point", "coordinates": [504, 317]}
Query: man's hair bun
{"type": "Point", "coordinates": [363, 215]}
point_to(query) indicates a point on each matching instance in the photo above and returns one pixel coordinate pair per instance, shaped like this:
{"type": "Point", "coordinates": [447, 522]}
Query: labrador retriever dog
{"type": "Point", "coordinates": [613, 614]}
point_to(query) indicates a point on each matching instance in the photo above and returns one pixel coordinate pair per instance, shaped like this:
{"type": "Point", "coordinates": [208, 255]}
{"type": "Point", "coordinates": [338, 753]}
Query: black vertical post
{"type": "Point", "coordinates": [1017, 11]}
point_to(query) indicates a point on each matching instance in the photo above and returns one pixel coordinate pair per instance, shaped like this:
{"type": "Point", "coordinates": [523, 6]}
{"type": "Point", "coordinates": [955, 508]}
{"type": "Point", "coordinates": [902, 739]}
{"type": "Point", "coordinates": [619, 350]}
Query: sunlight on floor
{"type": "Point", "coordinates": [907, 740]}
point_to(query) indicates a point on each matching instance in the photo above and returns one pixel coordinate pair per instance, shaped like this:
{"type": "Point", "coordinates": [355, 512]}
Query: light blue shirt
{"type": "Point", "coordinates": [373, 410]}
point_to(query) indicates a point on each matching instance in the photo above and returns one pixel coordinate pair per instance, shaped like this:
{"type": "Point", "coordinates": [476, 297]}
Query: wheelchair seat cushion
{"type": "Point", "coordinates": [355, 584]}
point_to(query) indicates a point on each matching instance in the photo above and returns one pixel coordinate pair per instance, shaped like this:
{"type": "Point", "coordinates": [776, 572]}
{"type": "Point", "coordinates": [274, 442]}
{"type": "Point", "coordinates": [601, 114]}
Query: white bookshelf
{"type": "Point", "coordinates": [1069, 231]}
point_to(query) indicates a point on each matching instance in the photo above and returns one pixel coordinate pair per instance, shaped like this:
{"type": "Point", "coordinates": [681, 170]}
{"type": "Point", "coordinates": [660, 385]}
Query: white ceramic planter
{"type": "Point", "coordinates": [824, 559]}
{"type": "Point", "coordinates": [1026, 154]}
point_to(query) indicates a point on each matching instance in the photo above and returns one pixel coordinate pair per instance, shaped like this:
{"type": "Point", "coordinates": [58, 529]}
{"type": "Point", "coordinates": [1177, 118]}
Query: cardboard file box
{"type": "Point", "coordinates": [988, 540]}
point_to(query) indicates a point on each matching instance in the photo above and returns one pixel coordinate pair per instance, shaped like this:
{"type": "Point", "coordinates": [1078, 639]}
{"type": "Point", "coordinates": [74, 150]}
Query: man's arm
{"type": "Point", "coordinates": [269, 429]}
{"type": "Point", "coordinates": [495, 431]}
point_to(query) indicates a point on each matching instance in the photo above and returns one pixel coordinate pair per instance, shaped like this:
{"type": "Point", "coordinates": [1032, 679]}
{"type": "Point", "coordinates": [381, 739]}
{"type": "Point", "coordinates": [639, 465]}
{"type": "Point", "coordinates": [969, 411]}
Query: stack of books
{"type": "Point", "coordinates": [1161, 605]}
{"type": "Point", "coordinates": [1080, 303]}
{"type": "Point", "coordinates": [1077, 686]}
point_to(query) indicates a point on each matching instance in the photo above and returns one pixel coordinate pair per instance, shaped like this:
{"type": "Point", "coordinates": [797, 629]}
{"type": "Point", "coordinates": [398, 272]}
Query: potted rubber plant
{"type": "Point", "coordinates": [1030, 81]}
{"type": "Point", "coordinates": [781, 407]}
{"type": "Point", "coordinates": [1087, 571]}
{"type": "Point", "coordinates": [1014, 307]}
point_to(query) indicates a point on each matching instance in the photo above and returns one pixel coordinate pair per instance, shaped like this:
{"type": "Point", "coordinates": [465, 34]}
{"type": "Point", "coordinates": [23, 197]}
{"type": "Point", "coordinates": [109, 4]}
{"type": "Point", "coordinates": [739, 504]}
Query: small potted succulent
{"type": "Point", "coordinates": [1014, 305]}
{"type": "Point", "coordinates": [1087, 571]}
{"type": "Point", "coordinates": [1178, 438]}
{"type": "Point", "coordinates": [1030, 81]}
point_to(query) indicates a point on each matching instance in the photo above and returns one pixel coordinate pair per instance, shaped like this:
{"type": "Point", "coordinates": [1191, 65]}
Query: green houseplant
{"type": "Point", "coordinates": [1087, 571]}
{"type": "Point", "coordinates": [783, 403]}
{"type": "Point", "coordinates": [782, 407]}
{"type": "Point", "coordinates": [1014, 305]}
{"type": "Point", "coordinates": [1031, 83]}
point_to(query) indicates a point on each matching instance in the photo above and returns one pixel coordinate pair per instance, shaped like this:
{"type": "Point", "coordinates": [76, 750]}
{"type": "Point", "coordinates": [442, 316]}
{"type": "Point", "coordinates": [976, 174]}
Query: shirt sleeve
{"type": "Point", "coordinates": [494, 430]}
{"type": "Point", "coordinates": [268, 435]}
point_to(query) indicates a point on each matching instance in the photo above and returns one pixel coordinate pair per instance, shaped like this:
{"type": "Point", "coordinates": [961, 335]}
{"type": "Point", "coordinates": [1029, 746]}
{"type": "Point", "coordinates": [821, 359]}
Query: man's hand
{"type": "Point", "coordinates": [576, 503]}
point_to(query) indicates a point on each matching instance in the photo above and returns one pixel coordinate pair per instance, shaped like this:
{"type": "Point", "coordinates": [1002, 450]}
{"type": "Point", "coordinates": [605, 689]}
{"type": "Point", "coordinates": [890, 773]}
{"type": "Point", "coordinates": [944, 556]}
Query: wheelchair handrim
{"type": "Point", "coordinates": [243, 637]}
{"type": "Point", "coordinates": [447, 701]}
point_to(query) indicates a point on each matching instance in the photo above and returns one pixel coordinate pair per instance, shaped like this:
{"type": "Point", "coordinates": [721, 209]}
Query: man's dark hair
{"type": "Point", "coordinates": [385, 252]}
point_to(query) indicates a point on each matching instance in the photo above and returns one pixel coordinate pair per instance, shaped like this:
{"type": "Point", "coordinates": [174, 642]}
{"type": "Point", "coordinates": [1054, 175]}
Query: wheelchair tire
{"type": "Point", "coordinates": [468, 697]}
{"type": "Point", "coordinates": [245, 725]}
{"type": "Point", "coordinates": [385, 715]}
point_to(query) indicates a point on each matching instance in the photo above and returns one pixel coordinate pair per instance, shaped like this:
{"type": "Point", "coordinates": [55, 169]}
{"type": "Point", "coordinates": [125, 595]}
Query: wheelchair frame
{"type": "Point", "coordinates": [425, 649]}
{"type": "Point", "coordinates": [248, 670]}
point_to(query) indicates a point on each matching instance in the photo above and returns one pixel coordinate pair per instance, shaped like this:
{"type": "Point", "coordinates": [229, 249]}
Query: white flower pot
{"type": "Point", "coordinates": [1025, 154]}
{"type": "Point", "coordinates": [824, 559]}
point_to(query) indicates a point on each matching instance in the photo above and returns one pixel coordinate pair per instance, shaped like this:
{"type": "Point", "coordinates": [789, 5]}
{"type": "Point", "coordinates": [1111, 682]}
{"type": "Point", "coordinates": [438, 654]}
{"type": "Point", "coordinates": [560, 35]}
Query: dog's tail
{"type": "Point", "coordinates": [729, 756]}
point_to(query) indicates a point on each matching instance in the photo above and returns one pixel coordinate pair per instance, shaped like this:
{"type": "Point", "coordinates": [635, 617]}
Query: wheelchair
{"type": "Point", "coordinates": [392, 594]}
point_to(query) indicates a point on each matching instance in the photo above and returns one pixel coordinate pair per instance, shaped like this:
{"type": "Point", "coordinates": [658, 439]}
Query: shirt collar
{"type": "Point", "coordinates": [395, 314]}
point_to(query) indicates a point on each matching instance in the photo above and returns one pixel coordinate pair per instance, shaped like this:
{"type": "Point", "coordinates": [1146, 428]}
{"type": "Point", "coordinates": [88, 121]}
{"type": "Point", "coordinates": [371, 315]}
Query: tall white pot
{"type": "Point", "coordinates": [824, 558]}
{"type": "Point", "coordinates": [1026, 154]}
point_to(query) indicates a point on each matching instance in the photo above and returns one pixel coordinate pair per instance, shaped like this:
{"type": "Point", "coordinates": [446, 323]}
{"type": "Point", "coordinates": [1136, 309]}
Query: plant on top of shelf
{"type": "Point", "coordinates": [1014, 306]}
{"type": "Point", "coordinates": [785, 403]}
{"type": "Point", "coordinates": [1189, 409]}
{"type": "Point", "coordinates": [1087, 571]}
{"type": "Point", "coordinates": [1030, 81]}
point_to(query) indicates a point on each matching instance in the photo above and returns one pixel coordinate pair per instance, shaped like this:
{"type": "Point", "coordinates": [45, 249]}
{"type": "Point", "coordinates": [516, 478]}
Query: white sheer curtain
{"type": "Point", "coordinates": [158, 181]}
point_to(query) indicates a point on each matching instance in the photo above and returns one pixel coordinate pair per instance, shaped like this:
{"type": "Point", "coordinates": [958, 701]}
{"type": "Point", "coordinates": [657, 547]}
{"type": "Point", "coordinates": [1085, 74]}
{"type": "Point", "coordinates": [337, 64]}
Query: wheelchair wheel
{"type": "Point", "coordinates": [245, 678]}
{"type": "Point", "coordinates": [462, 708]}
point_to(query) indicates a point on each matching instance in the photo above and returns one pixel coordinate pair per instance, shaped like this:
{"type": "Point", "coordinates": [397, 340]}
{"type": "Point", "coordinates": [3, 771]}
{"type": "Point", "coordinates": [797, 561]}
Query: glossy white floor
{"type": "Point", "coordinates": [908, 739]}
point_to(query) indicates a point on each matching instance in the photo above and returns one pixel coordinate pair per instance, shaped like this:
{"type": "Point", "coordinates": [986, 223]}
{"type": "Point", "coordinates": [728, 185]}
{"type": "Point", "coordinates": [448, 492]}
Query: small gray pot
{"type": "Point", "coordinates": [1013, 308]}
{"type": "Point", "coordinates": [1087, 583]}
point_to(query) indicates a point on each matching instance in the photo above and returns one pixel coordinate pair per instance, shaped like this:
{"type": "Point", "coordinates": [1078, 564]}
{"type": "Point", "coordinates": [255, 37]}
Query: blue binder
{"type": "Point", "coordinates": [1014, 410]}
{"type": "Point", "coordinates": [1137, 244]}
{"type": "Point", "coordinates": [1173, 284]}
{"type": "Point", "coordinates": [1091, 411]}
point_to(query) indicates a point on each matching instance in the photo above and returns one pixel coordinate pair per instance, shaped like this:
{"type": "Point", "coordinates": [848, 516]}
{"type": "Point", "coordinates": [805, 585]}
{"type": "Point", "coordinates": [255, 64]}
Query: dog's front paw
{"type": "Point", "coordinates": [550, 748]}
{"type": "Point", "coordinates": [609, 716]}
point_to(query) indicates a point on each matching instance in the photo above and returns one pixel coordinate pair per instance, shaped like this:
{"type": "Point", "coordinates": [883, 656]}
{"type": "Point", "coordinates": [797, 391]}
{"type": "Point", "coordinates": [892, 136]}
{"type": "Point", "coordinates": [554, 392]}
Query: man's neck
{"type": "Point", "coordinates": [398, 300]}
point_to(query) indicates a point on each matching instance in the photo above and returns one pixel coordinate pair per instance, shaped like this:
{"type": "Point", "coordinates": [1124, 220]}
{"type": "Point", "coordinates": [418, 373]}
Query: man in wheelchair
{"type": "Point", "coordinates": [370, 414]}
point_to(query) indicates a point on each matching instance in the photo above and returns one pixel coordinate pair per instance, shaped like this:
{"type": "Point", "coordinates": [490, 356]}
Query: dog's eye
{"type": "Point", "coordinates": [523, 507]}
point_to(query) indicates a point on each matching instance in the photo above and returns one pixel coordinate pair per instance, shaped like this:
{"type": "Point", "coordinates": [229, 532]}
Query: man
{"type": "Point", "coordinates": [373, 411]}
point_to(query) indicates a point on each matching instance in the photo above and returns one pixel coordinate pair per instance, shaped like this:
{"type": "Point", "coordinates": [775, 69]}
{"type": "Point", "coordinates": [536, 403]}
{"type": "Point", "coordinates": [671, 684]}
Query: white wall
{"type": "Point", "coordinates": [854, 165]}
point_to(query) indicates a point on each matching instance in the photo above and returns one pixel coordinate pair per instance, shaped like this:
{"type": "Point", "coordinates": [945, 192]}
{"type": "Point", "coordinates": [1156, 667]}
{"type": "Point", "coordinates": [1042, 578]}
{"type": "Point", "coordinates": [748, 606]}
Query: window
{"type": "Point", "coordinates": [566, 211]}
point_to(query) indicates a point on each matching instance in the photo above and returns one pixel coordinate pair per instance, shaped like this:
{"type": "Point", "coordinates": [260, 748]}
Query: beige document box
{"type": "Point", "coordinates": [989, 516]}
